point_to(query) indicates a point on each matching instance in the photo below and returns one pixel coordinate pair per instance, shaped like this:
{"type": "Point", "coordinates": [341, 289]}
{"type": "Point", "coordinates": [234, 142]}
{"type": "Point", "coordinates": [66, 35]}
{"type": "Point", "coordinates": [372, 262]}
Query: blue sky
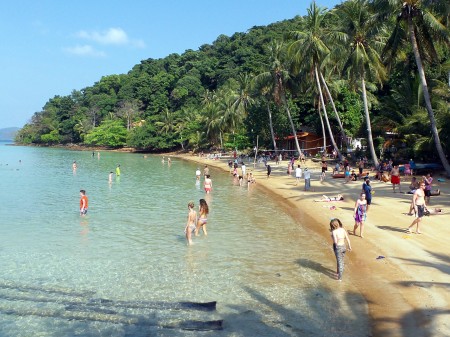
{"type": "Point", "coordinates": [51, 47]}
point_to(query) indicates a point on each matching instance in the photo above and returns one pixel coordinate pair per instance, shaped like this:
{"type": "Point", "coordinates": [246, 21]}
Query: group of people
{"type": "Point", "coordinates": [196, 222]}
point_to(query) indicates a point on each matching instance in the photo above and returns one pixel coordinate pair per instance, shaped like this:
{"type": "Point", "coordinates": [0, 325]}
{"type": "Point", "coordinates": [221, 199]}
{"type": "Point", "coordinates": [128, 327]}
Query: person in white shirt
{"type": "Point", "coordinates": [298, 174]}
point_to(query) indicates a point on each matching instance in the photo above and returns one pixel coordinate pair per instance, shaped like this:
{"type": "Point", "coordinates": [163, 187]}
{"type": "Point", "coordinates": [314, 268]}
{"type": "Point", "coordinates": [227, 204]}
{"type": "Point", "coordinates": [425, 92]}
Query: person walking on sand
{"type": "Point", "coordinates": [269, 171]}
{"type": "Point", "coordinates": [395, 178]}
{"type": "Point", "coordinates": [367, 189]}
{"type": "Point", "coordinates": [298, 174]}
{"type": "Point", "coordinates": [419, 208]}
{"type": "Point", "coordinates": [307, 177]}
{"type": "Point", "coordinates": [203, 211]}
{"type": "Point", "coordinates": [360, 214]}
{"type": "Point", "coordinates": [428, 182]}
{"type": "Point", "coordinates": [339, 236]}
{"type": "Point", "coordinates": [191, 221]}
{"type": "Point", "coordinates": [324, 170]}
{"type": "Point", "coordinates": [84, 203]}
{"type": "Point", "coordinates": [207, 184]}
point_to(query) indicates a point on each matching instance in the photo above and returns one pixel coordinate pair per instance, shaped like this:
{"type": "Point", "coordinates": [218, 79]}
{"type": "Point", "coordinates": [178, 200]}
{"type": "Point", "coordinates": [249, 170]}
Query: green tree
{"type": "Point", "coordinates": [363, 59]}
{"type": "Point", "coordinates": [416, 21]}
{"type": "Point", "coordinates": [110, 133]}
{"type": "Point", "coordinates": [309, 50]}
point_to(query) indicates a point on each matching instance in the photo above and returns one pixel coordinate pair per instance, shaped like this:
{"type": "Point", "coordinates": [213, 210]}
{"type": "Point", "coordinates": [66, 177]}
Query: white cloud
{"type": "Point", "coordinates": [85, 50]}
{"type": "Point", "coordinates": [112, 36]}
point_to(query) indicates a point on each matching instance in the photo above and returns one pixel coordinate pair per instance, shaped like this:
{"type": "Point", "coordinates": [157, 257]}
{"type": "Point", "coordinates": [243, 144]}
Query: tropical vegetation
{"type": "Point", "coordinates": [373, 69]}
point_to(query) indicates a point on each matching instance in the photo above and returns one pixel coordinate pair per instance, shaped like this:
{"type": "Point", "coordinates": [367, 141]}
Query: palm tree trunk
{"type": "Point", "coordinates": [325, 114]}
{"type": "Point", "coordinates": [271, 128]}
{"type": "Point", "coordinates": [369, 126]}
{"type": "Point", "coordinates": [344, 136]}
{"type": "Point", "coordinates": [426, 96]}
{"type": "Point", "coordinates": [323, 127]}
{"type": "Point", "coordinates": [294, 131]}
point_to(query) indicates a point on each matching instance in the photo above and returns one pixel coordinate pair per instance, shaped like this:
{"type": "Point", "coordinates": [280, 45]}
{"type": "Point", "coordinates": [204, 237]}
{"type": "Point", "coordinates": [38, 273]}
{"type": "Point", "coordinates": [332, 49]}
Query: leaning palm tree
{"type": "Point", "coordinates": [308, 52]}
{"type": "Point", "coordinates": [263, 87]}
{"type": "Point", "coordinates": [363, 60]}
{"type": "Point", "coordinates": [276, 77]}
{"type": "Point", "coordinates": [418, 21]}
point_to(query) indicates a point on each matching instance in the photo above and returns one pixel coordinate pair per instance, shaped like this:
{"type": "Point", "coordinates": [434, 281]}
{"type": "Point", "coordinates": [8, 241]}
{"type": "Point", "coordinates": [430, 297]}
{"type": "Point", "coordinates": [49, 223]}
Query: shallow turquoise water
{"type": "Point", "coordinates": [257, 263]}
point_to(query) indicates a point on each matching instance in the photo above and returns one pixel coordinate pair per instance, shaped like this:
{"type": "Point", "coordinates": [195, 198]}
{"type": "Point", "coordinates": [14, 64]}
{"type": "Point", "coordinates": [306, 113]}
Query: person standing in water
{"type": "Point", "coordinates": [339, 236]}
{"type": "Point", "coordinates": [118, 170]}
{"type": "Point", "coordinates": [84, 203]}
{"type": "Point", "coordinates": [203, 211]}
{"type": "Point", "coordinates": [110, 176]}
{"type": "Point", "coordinates": [190, 224]}
{"type": "Point", "coordinates": [207, 184]}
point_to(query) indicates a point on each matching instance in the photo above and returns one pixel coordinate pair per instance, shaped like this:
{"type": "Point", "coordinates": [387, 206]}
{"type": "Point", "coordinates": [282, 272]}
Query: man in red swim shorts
{"type": "Point", "coordinates": [84, 203]}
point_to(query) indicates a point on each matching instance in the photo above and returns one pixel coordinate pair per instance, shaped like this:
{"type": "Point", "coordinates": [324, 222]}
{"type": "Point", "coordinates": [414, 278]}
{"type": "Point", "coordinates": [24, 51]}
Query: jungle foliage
{"type": "Point", "coordinates": [264, 81]}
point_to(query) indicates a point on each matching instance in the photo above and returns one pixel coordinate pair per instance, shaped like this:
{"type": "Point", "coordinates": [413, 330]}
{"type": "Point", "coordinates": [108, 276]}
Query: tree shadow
{"type": "Point", "coordinates": [443, 267]}
{"type": "Point", "coordinates": [392, 229]}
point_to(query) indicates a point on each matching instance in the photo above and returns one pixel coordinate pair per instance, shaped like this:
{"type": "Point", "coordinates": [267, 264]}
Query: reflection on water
{"type": "Point", "coordinates": [131, 247]}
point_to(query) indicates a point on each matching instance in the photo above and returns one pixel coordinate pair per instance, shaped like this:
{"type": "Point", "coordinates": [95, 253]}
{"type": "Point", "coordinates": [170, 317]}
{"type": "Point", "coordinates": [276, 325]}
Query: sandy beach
{"type": "Point", "coordinates": [405, 278]}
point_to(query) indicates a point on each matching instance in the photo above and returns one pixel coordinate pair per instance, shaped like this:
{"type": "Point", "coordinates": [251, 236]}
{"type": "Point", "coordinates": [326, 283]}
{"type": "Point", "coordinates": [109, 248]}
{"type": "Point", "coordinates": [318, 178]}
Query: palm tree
{"type": "Point", "coordinates": [166, 121]}
{"type": "Point", "coordinates": [274, 79]}
{"type": "Point", "coordinates": [416, 21]}
{"type": "Point", "coordinates": [363, 60]}
{"type": "Point", "coordinates": [309, 50]}
{"type": "Point", "coordinates": [264, 85]}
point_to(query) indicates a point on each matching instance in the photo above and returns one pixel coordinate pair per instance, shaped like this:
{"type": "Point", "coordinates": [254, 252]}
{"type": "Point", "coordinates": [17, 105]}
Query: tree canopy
{"type": "Point", "coordinates": [376, 69]}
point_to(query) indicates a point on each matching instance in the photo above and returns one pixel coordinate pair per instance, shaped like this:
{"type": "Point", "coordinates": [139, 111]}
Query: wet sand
{"type": "Point", "coordinates": [408, 289]}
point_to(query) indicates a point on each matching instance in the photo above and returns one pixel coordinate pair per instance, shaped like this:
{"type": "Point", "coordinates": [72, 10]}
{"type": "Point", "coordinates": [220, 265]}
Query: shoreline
{"type": "Point", "coordinates": [406, 290]}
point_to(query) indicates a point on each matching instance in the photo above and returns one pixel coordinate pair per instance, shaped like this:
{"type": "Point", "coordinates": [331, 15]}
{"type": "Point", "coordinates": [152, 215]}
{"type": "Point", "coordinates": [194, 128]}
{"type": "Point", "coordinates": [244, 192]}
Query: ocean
{"type": "Point", "coordinates": [124, 269]}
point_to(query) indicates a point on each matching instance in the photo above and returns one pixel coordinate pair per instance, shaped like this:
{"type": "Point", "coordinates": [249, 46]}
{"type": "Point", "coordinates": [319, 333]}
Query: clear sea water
{"type": "Point", "coordinates": [122, 269]}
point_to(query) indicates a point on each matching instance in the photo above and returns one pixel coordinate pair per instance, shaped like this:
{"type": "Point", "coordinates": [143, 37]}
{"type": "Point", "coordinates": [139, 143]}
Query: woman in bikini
{"type": "Point", "coordinates": [190, 224]}
{"type": "Point", "coordinates": [203, 217]}
{"type": "Point", "coordinates": [360, 214]}
{"type": "Point", "coordinates": [207, 184]}
{"type": "Point", "coordinates": [339, 236]}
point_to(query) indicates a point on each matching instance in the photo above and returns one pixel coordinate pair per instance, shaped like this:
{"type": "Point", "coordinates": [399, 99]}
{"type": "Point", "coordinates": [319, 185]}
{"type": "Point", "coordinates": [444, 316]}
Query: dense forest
{"type": "Point", "coordinates": [377, 69]}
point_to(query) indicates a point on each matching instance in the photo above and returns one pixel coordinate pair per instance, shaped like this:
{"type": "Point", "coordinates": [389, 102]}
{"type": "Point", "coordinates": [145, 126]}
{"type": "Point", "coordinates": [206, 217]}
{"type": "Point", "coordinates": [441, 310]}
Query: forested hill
{"type": "Point", "coordinates": [346, 72]}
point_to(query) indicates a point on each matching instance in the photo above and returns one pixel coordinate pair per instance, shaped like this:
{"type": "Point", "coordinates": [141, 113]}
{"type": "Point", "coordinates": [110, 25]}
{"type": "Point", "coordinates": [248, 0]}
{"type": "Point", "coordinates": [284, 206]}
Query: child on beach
{"type": "Point", "coordinates": [190, 224]}
{"type": "Point", "coordinates": [339, 236]}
